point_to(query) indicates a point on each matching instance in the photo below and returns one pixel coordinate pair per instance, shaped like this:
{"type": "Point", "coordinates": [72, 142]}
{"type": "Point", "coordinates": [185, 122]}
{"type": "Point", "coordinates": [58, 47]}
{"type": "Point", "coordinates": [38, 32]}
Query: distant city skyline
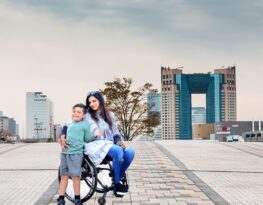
{"type": "Point", "coordinates": [68, 48]}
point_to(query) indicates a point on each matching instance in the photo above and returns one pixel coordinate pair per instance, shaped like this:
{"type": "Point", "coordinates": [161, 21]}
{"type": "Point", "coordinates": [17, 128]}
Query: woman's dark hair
{"type": "Point", "coordinates": [81, 105]}
{"type": "Point", "coordinates": [103, 108]}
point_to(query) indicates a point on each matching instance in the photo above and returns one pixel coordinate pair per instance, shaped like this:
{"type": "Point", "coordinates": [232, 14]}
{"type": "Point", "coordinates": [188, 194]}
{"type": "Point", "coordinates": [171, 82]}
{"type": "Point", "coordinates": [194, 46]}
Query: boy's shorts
{"type": "Point", "coordinates": [70, 164]}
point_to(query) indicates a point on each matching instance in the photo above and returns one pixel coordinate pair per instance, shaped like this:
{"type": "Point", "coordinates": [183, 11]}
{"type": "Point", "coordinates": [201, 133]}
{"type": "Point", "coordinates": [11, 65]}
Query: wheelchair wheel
{"type": "Point", "coordinates": [102, 201]}
{"type": "Point", "coordinates": [104, 178]}
{"type": "Point", "coordinates": [88, 182]}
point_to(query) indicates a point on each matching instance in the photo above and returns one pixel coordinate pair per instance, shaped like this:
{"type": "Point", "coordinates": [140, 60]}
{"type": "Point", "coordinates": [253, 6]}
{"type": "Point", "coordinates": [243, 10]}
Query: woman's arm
{"type": "Point", "coordinates": [87, 135]}
{"type": "Point", "coordinates": [94, 129]}
{"type": "Point", "coordinates": [117, 137]}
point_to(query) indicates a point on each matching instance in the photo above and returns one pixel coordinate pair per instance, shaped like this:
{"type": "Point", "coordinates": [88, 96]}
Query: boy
{"type": "Point", "coordinates": [71, 157]}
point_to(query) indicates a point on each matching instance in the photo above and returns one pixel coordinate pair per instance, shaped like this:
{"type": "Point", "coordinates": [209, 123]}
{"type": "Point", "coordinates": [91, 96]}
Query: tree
{"type": "Point", "coordinates": [5, 135]}
{"type": "Point", "coordinates": [130, 107]}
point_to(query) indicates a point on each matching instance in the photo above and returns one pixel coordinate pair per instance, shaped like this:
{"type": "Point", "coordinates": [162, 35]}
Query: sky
{"type": "Point", "coordinates": [68, 48]}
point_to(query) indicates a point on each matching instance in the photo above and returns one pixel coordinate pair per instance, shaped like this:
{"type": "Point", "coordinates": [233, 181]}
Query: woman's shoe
{"type": "Point", "coordinates": [124, 182]}
{"type": "Point", "coordinates": [120, 189]}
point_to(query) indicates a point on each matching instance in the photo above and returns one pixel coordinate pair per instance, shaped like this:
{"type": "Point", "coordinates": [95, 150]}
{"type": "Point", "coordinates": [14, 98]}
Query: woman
{"type": "Point", "coordinates": [108, 139]}
{"type": "Point", "coordinates": [103, 125]}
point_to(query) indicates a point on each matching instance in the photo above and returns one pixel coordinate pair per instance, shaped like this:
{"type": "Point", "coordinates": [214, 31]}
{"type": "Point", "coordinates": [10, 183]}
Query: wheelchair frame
{"type": "Point", "coordinates": [91, 177]}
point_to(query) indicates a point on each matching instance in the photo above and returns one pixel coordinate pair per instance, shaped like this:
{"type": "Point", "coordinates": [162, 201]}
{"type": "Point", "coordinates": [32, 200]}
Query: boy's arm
{"type": "Point", "coordinates": [62, 137]}
{"type": "Point", "coordinates": [87, 134]}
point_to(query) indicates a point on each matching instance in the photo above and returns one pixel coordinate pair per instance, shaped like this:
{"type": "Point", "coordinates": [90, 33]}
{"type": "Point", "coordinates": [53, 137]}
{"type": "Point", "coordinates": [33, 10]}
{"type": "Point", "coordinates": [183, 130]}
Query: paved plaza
{"type": "Point", "coordinates": [163, 172]}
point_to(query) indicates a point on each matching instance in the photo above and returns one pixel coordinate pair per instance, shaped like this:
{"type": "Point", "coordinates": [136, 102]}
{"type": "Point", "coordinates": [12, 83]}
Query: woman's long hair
{"type": "Point", "coordinates": [104, 112]}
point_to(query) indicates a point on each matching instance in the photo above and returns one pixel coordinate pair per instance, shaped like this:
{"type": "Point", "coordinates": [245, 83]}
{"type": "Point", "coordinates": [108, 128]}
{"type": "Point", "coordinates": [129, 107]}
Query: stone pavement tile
{"type": "Point", "coordinates": [234, 171]}
{"type": "Point", "coordinates": [206, 203]}
{"type": "Point", "coordinates": [251, 148]}
{"type": "Point", "coordinates": [24, 187]}
{"type": "Point", "coordinates": [237, 188]}
{"type": "Point", "coordinates": [179, 203]}
{"type": "Point", "coordinates": [155, 179]}
{"type": "Point", "coordinates": [195, 155]}
{"type": "Point", "coordinates": [31, 156]}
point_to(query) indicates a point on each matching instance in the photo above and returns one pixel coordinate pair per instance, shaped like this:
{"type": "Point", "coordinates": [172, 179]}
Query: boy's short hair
{"type": "Point", "coordinates": [81, 105]}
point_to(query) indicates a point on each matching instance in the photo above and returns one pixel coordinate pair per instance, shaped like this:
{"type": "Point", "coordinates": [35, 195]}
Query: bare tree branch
{"type": "Point", "coordinates": [130, 106]}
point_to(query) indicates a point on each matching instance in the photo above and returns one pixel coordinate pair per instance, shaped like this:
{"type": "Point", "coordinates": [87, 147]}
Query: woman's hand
{"type": "Point", "coordinates": [121, 144]}
{"type": "Point", "coordinates": [99, 133]}
{"type": "Point", "coordinates": [62, 142]}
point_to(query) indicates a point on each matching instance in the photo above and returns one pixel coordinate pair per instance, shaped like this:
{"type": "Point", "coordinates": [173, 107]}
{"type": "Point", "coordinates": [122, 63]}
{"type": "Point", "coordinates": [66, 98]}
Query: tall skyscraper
{"type": "Point", "coordinates": [17, 129]}
{"type": "Point", "coordinates": [8, 125]}
{"type": "Point", "coordinates": [154, 108]}
{"type": "Point", "coordinates": [39, 116]}
{"type": "Point", "coordinates": [198, 115]}
{"type": "Point", "coordinates": [4, 124]}
{"type": "Point", "coordinates": [12, 126]}
{"type": "Point", "coordinates": [154, 102]}
{"type": "Point", "coordinates": [177, 88]}
{"type": "Point", "coordinates": [228, 94]}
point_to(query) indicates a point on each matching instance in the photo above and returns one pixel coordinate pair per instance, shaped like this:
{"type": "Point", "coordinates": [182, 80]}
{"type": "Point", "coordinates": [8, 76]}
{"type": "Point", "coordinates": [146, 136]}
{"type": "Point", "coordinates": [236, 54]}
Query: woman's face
{"type": "Point", "coordinates": [94, 103]}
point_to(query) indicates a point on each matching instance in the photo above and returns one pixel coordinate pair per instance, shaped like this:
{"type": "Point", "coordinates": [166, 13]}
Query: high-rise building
{"type": "Point", "coordinates": [17, 129]}
{"type": "Point", "coordinates": [154, 102]}
{"type": "Point", "coordinates": [4, 124]}
{"type": "Point", "coordinates": [170, 103]}
{"type": "Point", "coordinates": [1, 113]}
{"type": "Point", "coordinates": [177, 89]}
{"type": "Point", "coordinates": [39, 116]}
{"type": "Point", "coordinates": [228, 94]}
{"type": "Point", "coordinates": [154, 108]}
{"type": "Point", "coordinates": [12, 126]}
{"type": "Point", "coordinates": [8, 125]}
{"type": "Point", "coordinates": [198, 115]}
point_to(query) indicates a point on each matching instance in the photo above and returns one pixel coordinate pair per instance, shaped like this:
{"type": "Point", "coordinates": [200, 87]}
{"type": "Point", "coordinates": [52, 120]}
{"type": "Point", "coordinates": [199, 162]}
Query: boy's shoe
{"type": "Point", "coordinates": [61, 201]}
{"type": "Point", "coordinates": [78, 202]}
{"type": "Point", "coordinates": [120, 189]}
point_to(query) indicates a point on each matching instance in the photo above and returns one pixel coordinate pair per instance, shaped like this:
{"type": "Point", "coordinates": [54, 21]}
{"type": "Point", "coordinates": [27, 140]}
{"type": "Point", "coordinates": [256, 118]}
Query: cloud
{"type": "Point", "coordinates": [196, 23]}
{"type": "Point", "coordinates": [63, 59]}
{"type": "Point", "coordinates": [65, 48]}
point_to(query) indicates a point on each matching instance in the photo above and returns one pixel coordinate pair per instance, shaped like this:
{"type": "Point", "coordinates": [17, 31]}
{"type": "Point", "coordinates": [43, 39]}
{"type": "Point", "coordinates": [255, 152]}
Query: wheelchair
{"type": "Point", "coordinates": [94, 179]}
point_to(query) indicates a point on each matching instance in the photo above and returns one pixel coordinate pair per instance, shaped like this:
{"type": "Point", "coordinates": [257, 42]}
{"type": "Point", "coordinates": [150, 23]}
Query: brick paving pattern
{"type": "Point", "coordinates": [154, 179]}
{"type": "Point", "coordinates": [24, 187]}
{"type": "Point", "coordinates": [163, 172]}
{"type": "Point", "coordinates": [233, 170]}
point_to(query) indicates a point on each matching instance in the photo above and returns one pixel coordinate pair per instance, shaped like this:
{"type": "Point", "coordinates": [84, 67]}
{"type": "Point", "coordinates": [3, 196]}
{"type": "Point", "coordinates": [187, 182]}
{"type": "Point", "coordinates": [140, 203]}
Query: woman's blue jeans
{"type": "Point", "coordinates": [121, 160]}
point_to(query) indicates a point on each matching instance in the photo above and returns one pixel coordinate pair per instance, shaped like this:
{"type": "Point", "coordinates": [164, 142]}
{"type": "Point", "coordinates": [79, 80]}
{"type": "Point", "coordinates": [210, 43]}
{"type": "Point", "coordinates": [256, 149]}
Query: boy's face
{"type": "Point", "coordinates": [77, 114]}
